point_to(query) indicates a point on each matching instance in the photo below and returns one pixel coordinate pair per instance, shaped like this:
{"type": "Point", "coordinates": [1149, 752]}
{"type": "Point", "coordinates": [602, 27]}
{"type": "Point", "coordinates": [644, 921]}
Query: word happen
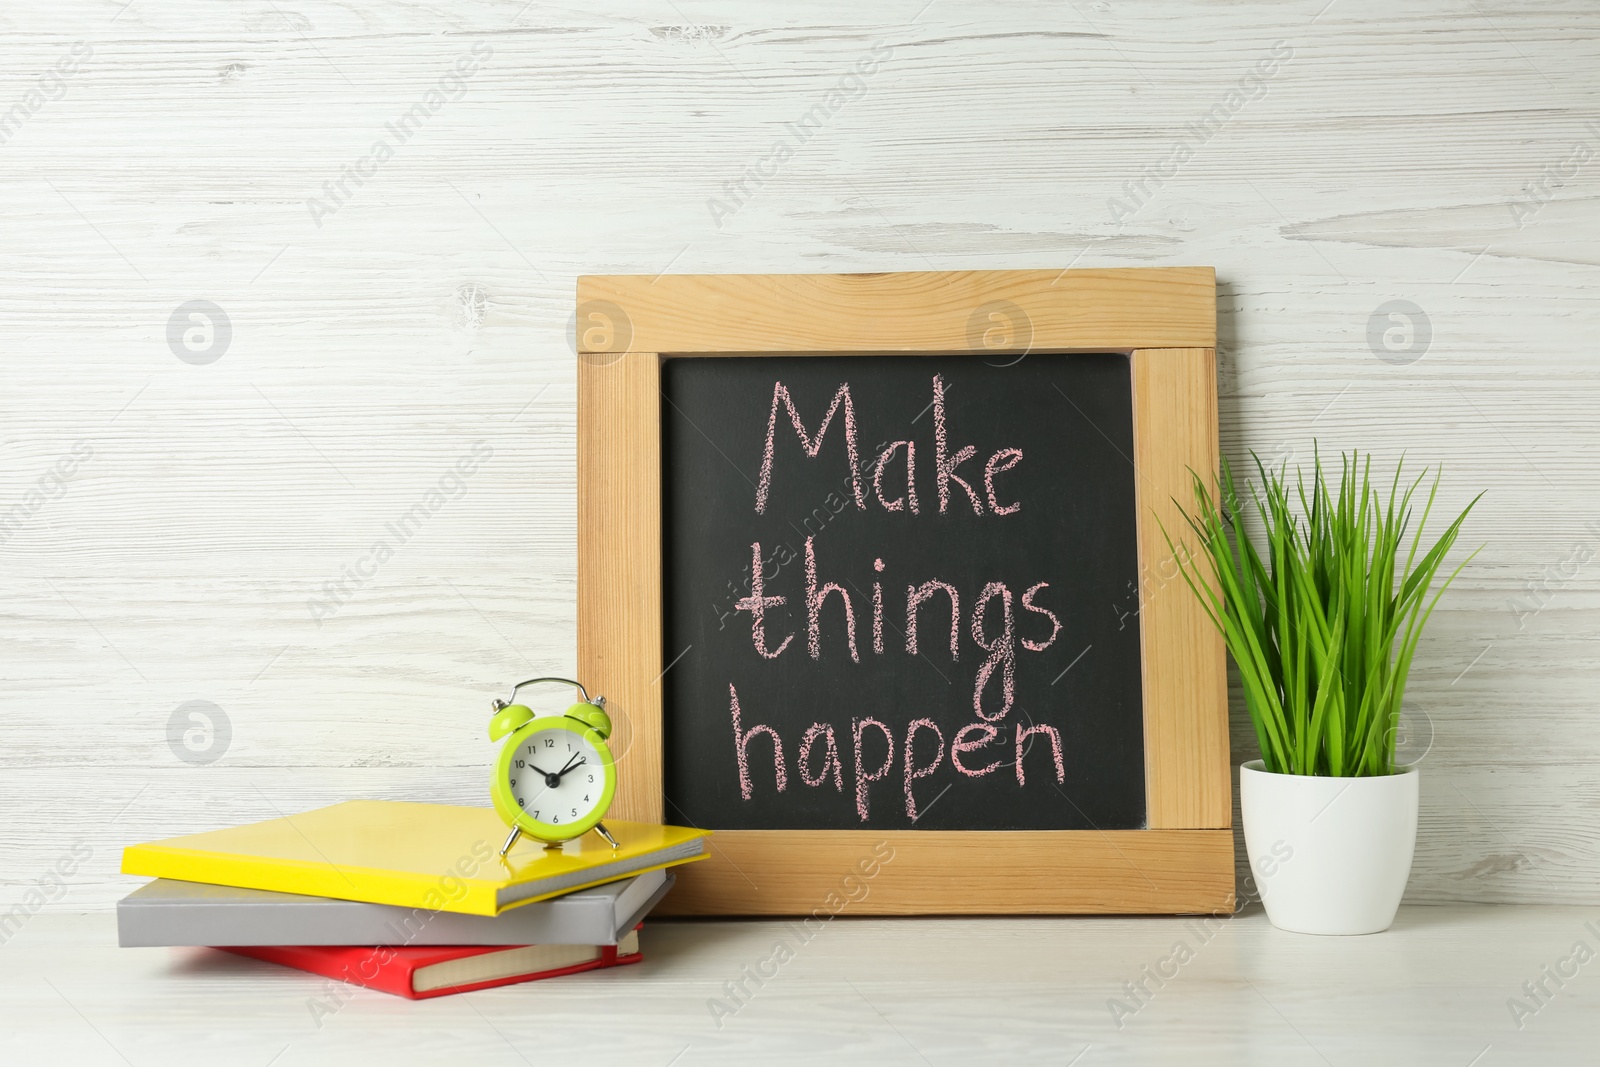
{"type": "Point", "coordinates": [821, 738]}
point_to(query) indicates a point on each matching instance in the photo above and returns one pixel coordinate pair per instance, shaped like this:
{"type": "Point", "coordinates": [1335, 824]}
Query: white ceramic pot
{"type": "Point", "coordinates": [1329, 855]}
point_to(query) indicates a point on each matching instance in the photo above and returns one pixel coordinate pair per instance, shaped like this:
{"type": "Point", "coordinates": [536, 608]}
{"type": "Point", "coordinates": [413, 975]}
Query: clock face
{"type": "Point", "coordinates": [558, 778]}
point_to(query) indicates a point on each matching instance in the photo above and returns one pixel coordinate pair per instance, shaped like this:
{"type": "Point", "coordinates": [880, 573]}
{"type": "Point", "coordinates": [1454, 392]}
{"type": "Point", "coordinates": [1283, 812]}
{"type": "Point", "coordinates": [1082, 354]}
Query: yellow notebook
{"type": "Point", "coordinates": [435, 856]}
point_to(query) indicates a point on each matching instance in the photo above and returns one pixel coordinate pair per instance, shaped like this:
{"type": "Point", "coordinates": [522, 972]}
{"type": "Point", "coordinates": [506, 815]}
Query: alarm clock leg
{"type": "Point", "coordinates": [600, 828]}
{"type": "Point", "coordinates": [511, 839]}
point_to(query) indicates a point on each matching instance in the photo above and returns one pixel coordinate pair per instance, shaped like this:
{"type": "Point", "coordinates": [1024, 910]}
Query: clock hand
{"type": "Point", "coordinates": [551, 780]}
{"type": "Point", "coordinates": [574, 767]}
{"type": "Point", "coordinates": [568, 767]}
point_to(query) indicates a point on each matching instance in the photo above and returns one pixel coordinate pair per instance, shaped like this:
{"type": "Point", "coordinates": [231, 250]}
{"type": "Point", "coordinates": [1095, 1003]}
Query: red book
{"type": "Point", "coordinates": [420, 971]}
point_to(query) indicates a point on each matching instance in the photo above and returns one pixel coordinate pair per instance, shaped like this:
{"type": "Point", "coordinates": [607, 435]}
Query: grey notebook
{"type": "Point", "coordinates": [169, 912]}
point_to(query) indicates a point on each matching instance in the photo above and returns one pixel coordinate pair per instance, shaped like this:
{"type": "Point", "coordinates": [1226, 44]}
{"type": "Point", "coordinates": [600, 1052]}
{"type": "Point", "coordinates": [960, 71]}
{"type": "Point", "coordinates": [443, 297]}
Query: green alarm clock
{"type": "Point", "coordinates": [555, 776]}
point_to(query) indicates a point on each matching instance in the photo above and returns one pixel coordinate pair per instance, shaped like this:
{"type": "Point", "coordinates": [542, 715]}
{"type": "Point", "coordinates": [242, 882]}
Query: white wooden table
{"type": "Point", "coordinates": [1433, 990]}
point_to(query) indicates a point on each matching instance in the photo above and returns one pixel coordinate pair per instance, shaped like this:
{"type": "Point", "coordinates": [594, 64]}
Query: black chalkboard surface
{"type": "Point", "coordinates": [822, 516]}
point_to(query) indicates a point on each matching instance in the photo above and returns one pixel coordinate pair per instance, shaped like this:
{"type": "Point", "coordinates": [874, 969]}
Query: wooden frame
{"type": "Point", "coordinates": [1164, 319]}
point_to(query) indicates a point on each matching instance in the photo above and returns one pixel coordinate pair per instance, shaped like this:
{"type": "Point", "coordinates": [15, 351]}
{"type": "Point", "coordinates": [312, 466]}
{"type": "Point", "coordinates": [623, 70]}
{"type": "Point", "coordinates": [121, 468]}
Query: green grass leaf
{"type": "Point", "coordinates": [1322, 621]}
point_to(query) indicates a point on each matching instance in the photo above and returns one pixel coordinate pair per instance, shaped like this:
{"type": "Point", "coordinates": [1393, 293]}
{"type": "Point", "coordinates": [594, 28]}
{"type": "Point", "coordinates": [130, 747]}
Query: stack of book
{"type": "Point", "coordinates": [411, 899]}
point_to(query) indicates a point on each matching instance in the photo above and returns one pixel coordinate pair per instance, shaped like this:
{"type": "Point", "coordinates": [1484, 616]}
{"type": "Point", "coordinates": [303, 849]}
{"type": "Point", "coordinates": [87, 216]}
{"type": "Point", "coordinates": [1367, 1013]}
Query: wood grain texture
{"type": "Point", "coordinates": [905, 992]}
{"type": "Point", "coordinates": [912, 311]}
{"type": "Point", "coordinates": [620, 589]}
{"type": "Point", "coordinates": [1185, 665]}
{"type": "Point", "coordinates": [619, 564]}
{"type": "Point", "coordinates": [951, 872]}
{"type": "Point", "coordinates": [432, 310]}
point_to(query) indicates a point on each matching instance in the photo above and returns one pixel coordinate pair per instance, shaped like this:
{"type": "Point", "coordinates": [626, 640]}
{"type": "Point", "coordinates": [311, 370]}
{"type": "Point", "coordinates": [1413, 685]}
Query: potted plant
{"type": "Point", "coordinates": [1323, 628]}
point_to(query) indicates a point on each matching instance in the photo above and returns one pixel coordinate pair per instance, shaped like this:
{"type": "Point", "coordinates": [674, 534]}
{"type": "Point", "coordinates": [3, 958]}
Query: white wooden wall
{"type": "Point", "coordinates": [209, 502]}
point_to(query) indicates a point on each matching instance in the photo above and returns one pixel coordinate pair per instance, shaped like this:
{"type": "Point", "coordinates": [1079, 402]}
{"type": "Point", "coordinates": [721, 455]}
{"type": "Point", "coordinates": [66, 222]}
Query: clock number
{"type": "Point", "coordinates": [519, 766]}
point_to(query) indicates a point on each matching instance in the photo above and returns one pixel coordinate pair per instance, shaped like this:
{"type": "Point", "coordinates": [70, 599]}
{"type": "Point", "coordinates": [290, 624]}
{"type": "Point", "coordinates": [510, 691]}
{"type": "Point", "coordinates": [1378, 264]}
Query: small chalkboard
{"type": "Point", "coordinates": [898, 593]}
{"type": "Point", "coordinates": [871, 572]}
